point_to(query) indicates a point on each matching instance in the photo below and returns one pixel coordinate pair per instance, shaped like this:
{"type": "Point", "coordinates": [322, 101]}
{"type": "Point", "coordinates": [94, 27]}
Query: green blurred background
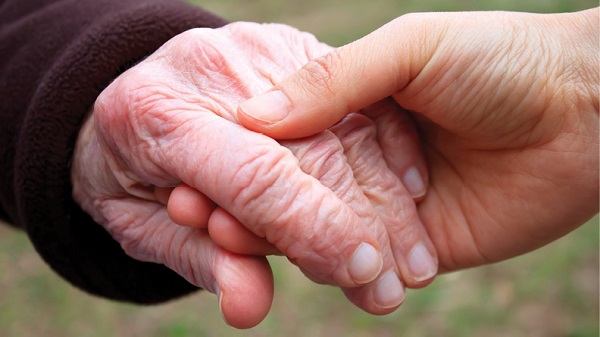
{"type": "Point", "coordinates": [551, 292]}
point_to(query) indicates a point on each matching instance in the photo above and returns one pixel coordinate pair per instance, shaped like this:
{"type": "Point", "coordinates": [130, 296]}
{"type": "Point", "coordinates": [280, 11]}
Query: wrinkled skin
{"type": "Point", "coordinates": [171, 121]}
{"type": "Point", "coordinates": [507, 105]}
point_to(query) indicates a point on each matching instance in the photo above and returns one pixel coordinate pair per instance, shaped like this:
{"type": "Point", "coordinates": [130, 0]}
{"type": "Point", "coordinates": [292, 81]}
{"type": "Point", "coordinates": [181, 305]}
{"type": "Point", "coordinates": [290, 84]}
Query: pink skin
{"type": "Point", "coordinates": [171, 121]}
{"type": "Point", "coordinates": [507, 105]}
{"type": "Point", "coordinates": [357, 135]}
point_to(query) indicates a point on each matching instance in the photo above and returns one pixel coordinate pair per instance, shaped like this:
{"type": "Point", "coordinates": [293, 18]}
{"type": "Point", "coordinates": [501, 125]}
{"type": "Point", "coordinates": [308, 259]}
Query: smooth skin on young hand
{"type": "Point", "coordinates": [507, 108]}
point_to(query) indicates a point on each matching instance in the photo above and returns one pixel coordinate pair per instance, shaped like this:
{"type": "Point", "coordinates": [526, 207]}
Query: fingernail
{"type": "Point", "coordinates": [389, 292]}
{"type": "Point", "coordinates": [365, 264]}
{"type": "Point", "coordinates": [268, 108]}
{"type": "Point", "coordinates": [217, 291]}
{"type": "Point", "coordinates": [414, 182]}
{"type": "Point", "coordinates": [421, 264]}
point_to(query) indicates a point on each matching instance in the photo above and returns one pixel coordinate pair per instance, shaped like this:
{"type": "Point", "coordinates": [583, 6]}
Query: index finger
{"type": "Point", "coordinates": [264, 188]}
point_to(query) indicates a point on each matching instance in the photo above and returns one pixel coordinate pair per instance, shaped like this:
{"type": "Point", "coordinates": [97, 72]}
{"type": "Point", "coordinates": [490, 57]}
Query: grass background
{"type": "Point", "coordinates": [551, 292]}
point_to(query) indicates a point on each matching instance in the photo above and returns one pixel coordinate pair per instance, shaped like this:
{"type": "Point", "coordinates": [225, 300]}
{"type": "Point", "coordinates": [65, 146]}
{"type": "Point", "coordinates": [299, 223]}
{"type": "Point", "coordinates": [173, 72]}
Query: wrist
{"type": "Point", "coordinates": [87, 164]}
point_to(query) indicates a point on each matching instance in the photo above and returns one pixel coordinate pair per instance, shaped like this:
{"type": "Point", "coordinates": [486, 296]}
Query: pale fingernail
{"type": "Point", "coordinates": [389, 292]}
{"type": "Point", "coordinates": [217, 291]}
{"type": "Point", "coordinates": [268, 108]}
{"type": "Point", "coordinates": [421, 263]}
{"type": "Point", "coordinates": [365, 264]}
{"type": "Point", "coordinates": [413, 181]}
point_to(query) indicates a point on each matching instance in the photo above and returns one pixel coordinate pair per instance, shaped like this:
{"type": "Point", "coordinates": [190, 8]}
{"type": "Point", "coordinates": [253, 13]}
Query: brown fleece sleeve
{"type": "Point", "coordinates": [55, 58]}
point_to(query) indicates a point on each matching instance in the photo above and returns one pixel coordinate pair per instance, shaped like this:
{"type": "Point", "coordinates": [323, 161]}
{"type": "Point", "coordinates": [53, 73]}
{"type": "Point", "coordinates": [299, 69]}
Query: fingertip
{"type": "Point", "coordinates": [414, 183]}
{"type": "Point", "coordinates": [380, 297]}
{"type": "Point", "coordinates": [306, 103]}
{"type": "Point", "coordinates": [264, 113]}
{"type": "Point", "coordinates": [265, 109]}
{"type": "Point", "coordinates": [245, 291]}
{"type": "Point", "coordinates": [271, 114]}
{"type": "Point", "coordinates": [365, 264]}
{"type": "Point", "coordinates": [189, 207]}
{"type": "Point", "coordinates": [422, 266]}
{"type": "Point", "coordinates": [389, 292]}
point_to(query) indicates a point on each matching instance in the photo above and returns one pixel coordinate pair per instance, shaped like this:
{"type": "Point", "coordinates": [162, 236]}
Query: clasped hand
{"type": "Point", "coordinates": [163, 164]}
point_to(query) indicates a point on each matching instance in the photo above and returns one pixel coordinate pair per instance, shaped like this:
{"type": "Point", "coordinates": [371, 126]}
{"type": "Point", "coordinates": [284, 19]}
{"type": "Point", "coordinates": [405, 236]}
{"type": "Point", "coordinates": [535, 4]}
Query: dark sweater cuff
{"type": "Point", "coordinates": [67, 238]}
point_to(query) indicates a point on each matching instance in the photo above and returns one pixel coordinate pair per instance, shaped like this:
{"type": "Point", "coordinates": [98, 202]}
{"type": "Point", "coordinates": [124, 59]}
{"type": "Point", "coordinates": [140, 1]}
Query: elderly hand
{"type": "Point", "coordinates": [508, 108]}
{"type": "Point", "coordinates": [171, 120]}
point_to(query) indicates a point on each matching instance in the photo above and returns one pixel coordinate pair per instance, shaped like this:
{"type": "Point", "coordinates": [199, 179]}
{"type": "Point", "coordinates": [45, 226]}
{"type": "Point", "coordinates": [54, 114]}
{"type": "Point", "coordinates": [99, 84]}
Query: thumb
{"type": "Point", "coordinates": [343, 81]}
{"type": "Point", "coordinates": [243, 284]}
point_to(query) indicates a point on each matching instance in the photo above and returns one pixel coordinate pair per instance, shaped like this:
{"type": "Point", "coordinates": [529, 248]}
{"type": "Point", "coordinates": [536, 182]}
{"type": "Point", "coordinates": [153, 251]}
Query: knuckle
{"type": "Point", "coordinates": [200, 53]}
{"type": "Point", "coordinates": [184, 44]}
{"type": "Point", "coordinates": [258, 182]}
{"type": "Point", "coordinates": [129, 97]}
{"type": "Point", "coordinates": [323, 157]}
{"type": "Point", "coordinates": [403, 225]}
{"type": "Point", "coordinates": [355, 131]}
{"type": "Point", "coordinates": [141, 95]}
{"type": "Point", "coordinates": [190, 35]}
{"type": "Point", "coordinates": [144, 107]}
{"type": "Point", "coordinates": [312, 242]}
{"type": "Point", "coordinates": [358, 135]}
{"type": "Point", "coordinates": [319, 154]}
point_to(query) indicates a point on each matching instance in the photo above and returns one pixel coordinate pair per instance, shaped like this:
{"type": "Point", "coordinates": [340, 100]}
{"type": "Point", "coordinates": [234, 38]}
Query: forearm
{"type": "Point", "coordinates": [48, 84]}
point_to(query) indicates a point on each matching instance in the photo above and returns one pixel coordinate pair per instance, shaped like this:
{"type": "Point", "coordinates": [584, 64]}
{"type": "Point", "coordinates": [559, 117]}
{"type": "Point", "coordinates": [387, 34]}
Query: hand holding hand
{"type": "Point", "coordinates": [507, 105]}
{"type": "Point", "coordinates": [171, 120]}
